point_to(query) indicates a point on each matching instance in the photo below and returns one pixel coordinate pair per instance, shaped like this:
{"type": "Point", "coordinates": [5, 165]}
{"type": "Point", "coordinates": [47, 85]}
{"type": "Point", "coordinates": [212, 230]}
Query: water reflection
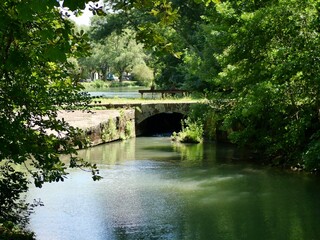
{"type": "Point", "coordinates": [153, 189]}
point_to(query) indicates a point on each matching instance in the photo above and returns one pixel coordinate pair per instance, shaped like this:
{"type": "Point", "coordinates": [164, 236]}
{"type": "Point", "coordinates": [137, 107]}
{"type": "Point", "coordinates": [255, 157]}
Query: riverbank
{"type": "Point", "coordinates": [101, 126]}
{"type": "Point", "coordinates": [111, 120]}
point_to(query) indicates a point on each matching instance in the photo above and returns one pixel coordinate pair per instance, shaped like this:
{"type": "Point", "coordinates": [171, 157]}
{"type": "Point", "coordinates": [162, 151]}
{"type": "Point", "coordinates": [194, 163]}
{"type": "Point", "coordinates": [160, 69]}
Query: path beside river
{"type": "Point", "coordinates": [87, 119]}
{"type": "Point", "coordinates": [96, 123]}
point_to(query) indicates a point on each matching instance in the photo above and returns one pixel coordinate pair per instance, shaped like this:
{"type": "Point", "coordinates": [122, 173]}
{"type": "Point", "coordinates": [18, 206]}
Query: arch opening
{"type": "Point", "coordinates": [160, 124]}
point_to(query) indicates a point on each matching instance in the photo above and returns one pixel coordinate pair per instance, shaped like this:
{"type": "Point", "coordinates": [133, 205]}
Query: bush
{"type": "Point", "coordinates": [192, 132]}
{"type": "Point", "coordinates": [123, 84]}
{"type": "Point", "coordinates": [109, 131]}
{"type": "Point", "coordinates": [209, 117]}
{"type": "Point", "coordinates": [99, 84]}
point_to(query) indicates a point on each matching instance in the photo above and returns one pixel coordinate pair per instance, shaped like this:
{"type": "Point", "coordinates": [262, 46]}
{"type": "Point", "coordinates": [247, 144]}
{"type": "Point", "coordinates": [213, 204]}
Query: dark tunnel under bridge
{"type": "Point", "coordinates": [161, 124]}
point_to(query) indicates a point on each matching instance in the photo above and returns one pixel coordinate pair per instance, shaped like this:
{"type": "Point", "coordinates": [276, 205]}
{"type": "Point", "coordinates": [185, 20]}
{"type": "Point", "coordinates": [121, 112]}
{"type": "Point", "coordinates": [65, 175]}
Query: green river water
{"type": "Point", "coordinates": [154, 189]}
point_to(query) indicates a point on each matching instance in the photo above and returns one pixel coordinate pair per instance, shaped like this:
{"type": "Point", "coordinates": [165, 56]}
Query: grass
{"type": "Point", "coordinates": [144, 100]}
{"type": "Point", "coordinates": [100, 85]}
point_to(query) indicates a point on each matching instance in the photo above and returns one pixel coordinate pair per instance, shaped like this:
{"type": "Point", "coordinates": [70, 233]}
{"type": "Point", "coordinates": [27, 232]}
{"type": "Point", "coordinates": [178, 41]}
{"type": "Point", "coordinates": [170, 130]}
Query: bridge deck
{"type": "Point", "coordinates": [137, 103]}
{"type": "Point", "coordinates": [164, 92]}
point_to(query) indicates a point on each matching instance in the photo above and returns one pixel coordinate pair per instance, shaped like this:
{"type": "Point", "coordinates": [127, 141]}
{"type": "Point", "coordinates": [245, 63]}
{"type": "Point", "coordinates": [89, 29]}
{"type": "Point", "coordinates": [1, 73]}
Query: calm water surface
{"type": "Point", "coordinates": [123, 92]}
{"type": "Point", "coordinates": [117, 92]}
{"type": "Point", "coordinates": [153, 189]}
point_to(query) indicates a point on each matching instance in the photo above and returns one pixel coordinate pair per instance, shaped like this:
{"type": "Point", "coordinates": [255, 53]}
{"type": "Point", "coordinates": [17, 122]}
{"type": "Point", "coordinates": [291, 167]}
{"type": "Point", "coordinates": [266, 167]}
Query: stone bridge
{"type": "Point", "coordinates": [119, 121]}
{"type": "Point", "coordinates": [153, 118]}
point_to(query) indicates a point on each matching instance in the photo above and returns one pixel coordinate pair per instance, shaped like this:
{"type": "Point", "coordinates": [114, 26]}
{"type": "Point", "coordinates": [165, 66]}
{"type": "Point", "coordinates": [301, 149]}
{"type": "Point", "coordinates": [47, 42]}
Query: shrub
{"type": "Point", "coordinates": [129, 130]}
{"type": "Point", "coordinates": [99, 84]}
{"type": "Point", "coordinates": [209, 117]}
{"type": "Point", "coordinates": [192, 132]}
{"type": "Point", "coordinates": [109, 131]}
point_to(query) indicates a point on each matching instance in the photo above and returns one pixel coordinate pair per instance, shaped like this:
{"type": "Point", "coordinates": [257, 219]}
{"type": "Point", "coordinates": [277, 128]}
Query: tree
{"type": "Point", "coordinates": [172, 32]}
{"type": "Point", "coordinates": [151, 25]}
{"type": "Point", "coordinates": [143, 75]}
{"type": "Point", "coordinates": [270, 67]}
{"type": "Point", "coordinates": [117, 53]}
{"type": "Point", "coordinates": [129, 53]}
{"type": "Point", "coordinates": [35, 82]}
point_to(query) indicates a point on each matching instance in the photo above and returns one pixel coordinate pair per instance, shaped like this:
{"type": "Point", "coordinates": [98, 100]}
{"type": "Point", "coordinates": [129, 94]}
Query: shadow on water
{"type": "Point", "coordinates": [158, 148]}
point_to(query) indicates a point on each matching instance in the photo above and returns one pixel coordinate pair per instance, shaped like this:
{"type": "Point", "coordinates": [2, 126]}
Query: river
{"type": "Point", "coordinates": [117, 92]}
{"type": "Point", "coordinates": [154, 189]}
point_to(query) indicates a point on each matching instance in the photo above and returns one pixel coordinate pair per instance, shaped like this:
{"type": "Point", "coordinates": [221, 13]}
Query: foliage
{"type": "Point", "coordinates": [117, 53]}
{"type": "Point", "coordinates": [115, 128]}
{"type": "Point", "coordinates": [311, 157]}
{"type": "Point", "coordinates": [98, 84]}
{"type": "Point", "coordinates": [149, 18]}
{"type": "Point", "coordinates": [129, 130]}
{"type": "Point", "coordinates": [129, 53]}
{"type": "Point", "coordinates": [155, 34]}
{"type": "Point", "coordinates": [12, 184]}
{"type": "Point", "coordinates": [10, 232]}
{"type": "Point", "coordinates": [270, 69]}
{"type": "Point", "coordinates": [209, 118]}
{"type": "Point", "coordinates": [124, 84]}
{"type": "Point", "coordinates": [192, 132]}
{"type": "Point", "coordinates": [109, 131]}
{"type": "Point", "coordinates": [103, 27]}
{"type": "Point", "coordinates": [259, 57]}
{"type": "Point", "coordinates": [143, 75]}
{"type": "Point", "coordinates": [126, 127]}
{"type": "Point", "coordinates": [35, 82]}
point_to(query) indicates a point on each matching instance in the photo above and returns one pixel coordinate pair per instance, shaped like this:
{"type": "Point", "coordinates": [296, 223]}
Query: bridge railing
{"type": "Point", "coordinates": [163, 92]}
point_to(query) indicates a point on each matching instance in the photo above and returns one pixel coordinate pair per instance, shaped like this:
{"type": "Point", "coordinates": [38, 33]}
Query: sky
{"type": "Point", "coordinates": [84, 19]}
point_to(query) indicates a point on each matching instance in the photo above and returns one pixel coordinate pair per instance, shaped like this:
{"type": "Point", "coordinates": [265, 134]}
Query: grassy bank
{"type": "Point", "coordinates": [144, 100]}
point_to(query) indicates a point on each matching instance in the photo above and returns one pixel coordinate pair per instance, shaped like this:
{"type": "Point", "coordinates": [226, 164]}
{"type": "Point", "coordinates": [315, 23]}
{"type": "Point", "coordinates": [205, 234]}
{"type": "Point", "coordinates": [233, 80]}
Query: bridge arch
{"type": "Point", "coordinates": [161, 123]}
{"type": "Point", "coordinates": [151, 119]}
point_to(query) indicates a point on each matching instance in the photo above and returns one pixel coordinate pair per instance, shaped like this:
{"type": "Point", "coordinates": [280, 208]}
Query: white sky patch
{"type": "Point", "coordinates": [84, 18]}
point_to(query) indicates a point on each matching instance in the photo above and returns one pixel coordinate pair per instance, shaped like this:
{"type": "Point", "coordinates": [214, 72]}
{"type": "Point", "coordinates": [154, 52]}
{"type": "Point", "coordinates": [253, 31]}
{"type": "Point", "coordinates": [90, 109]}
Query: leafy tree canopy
{"type": "Point", "coordinates": [270, 66]}
{"type": "Point", "coordinates": [117, 53]}
{"type": "Point", "coordinates": [36, 42]}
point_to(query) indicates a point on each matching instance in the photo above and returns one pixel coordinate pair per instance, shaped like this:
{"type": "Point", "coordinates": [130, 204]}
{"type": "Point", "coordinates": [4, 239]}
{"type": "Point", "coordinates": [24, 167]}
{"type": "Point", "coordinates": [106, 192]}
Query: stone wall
{"type": "Point", "coordinates": [102, 126]}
